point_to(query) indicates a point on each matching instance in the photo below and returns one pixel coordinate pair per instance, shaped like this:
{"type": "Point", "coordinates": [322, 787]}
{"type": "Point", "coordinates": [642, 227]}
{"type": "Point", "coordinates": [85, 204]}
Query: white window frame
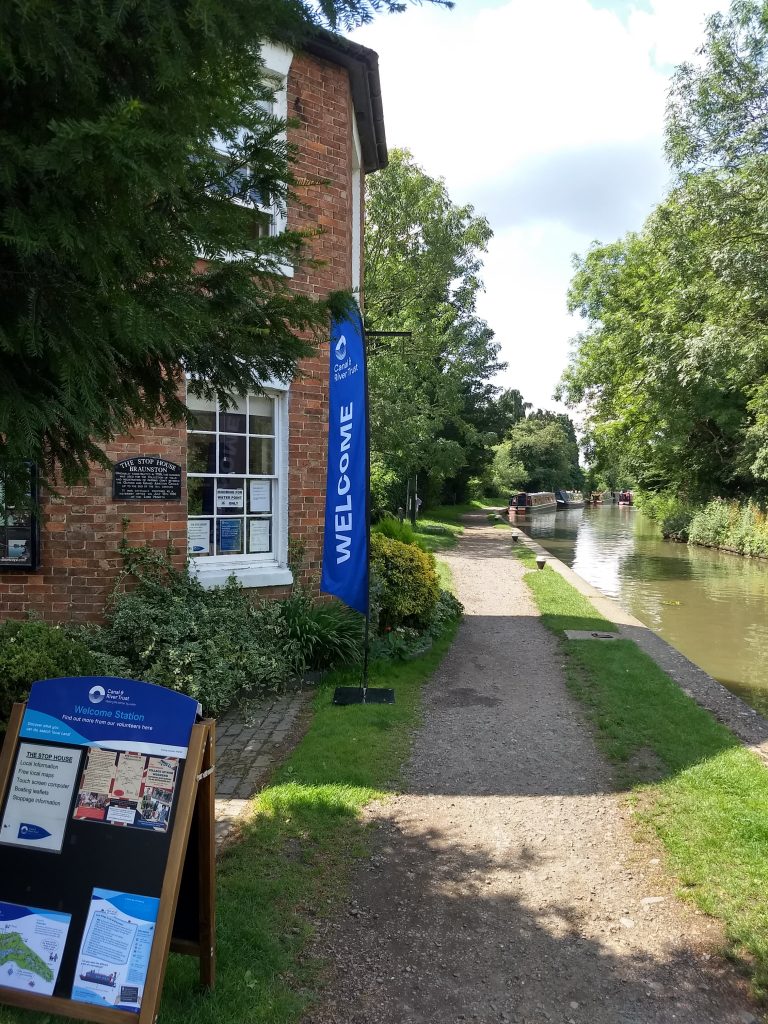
{"type": "Point", "coordinates": [258, 570]}
{"type": "Point", "coordinates": [277, 63]}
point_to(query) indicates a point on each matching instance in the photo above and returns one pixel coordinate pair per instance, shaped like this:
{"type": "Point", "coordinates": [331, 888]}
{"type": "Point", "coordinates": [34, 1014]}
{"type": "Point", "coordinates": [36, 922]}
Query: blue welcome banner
{"type": "Point", "coordinates": [345, 543]}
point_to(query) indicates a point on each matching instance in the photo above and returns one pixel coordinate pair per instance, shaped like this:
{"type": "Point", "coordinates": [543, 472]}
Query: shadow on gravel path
{"type": "Point", "coordinates": [504, 883]}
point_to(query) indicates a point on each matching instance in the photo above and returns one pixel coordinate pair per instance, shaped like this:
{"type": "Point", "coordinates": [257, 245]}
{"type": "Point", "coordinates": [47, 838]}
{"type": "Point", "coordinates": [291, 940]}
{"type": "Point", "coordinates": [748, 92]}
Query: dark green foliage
{"type": "Point", "coordinates": [727, 524]}
{"type": "Point", "coordinates": [540, 453]}
{"type": "Point", "coordinates": [404, 642]}
{"type": "Point", "coordinates": [35, 650]}
{"type": "Point", "coordinates": [326, 635]}
{"type": "Point", "coordinates": [211, 644]}
{"type": "Point", "coordinates": [400, 644]}
{"type": "Point", "coordinates": [671, 513]}
{"type": "Point", "coordinates": [408, 586]}
{"type": "Point", "coordinates": [447, 609]}
{"type": "Point", "coordinates": [110, 192]}
{"type": "Point", "coordinates": [395, 530]}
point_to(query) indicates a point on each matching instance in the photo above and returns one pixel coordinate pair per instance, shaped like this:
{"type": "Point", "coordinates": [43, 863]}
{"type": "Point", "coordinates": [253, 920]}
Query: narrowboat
{"type": "Point", "coordinates": [538, 501]}
{"type": "Point", "coordinates": [625, 497]}
{"type": "Point", "coordinates": [569, 499]}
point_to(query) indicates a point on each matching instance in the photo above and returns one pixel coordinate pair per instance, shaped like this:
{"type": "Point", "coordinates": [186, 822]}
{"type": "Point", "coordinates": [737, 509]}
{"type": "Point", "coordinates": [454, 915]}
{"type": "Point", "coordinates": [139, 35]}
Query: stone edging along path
{"type": "Point", "coordinates": [744, 722]}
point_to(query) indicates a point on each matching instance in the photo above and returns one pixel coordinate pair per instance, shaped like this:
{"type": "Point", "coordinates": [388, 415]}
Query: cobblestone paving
{"type": "Point", "coordinates": [250, 740]}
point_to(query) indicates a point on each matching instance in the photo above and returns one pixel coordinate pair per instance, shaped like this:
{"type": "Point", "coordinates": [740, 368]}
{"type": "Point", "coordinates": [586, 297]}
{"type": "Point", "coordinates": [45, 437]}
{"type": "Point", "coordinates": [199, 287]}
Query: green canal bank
{"type": "Point", "coordinates": [691, 753]}
{"type": "Point", "coordinates": [531, 866]}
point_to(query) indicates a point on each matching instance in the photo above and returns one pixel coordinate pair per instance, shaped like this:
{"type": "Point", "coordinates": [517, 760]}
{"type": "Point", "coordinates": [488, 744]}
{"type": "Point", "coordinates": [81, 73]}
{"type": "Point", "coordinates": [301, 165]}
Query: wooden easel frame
{"type": "Point", "coordinates": [195, 798]}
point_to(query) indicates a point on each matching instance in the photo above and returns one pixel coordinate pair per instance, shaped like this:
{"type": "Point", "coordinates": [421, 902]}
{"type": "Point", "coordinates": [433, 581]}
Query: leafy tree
{"type": "Point", "coordinates": [544, 446]}
{"type": "Point", "coordinates": [111, 189]}
{"type": "Point", "coordinates": [422, 265]}
{"type": "Point", "coordinates": [672, 365]}
{"type": "Point", "coordinates": [507, 473]}
{"type": "Point", "coordinates": [717, 114]}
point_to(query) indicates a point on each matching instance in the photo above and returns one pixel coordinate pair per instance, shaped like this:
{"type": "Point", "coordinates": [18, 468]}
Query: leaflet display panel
{"type": "Point", "coordinates": [112, 872]}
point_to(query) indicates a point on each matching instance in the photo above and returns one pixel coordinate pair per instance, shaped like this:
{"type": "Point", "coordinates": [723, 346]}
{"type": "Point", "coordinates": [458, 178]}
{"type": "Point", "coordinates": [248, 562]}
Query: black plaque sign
{"type": "Point", "coordinates": [146, 478]}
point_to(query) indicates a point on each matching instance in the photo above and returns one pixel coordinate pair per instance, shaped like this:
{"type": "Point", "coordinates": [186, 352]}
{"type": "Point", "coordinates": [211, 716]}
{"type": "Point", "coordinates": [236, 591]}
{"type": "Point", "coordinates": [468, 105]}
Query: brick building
{"type": "Point", "coordinates": [256, 473]}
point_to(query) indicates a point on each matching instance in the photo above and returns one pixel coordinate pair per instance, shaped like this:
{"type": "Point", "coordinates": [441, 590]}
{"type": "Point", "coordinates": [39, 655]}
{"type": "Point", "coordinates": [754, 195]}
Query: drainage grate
{"type": "Point", "coordinates": [586, 634]}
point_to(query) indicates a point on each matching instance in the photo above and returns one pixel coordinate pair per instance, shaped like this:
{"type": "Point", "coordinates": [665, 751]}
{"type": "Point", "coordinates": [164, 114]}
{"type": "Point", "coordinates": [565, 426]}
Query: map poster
{"type": "Point", "coordinates": [31, 945]}
{"type": "Point", "coordinates": [126, 788]}
{"type": "Point", "coordinates": [39, 796]}
{"type": "Point", "coordinates": [114, 953]}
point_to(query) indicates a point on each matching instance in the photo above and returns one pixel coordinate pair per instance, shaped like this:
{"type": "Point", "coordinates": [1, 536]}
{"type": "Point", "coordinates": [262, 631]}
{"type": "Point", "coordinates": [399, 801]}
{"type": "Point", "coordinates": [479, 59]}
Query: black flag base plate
{"type": "Point", "coordinates": [357, 695]}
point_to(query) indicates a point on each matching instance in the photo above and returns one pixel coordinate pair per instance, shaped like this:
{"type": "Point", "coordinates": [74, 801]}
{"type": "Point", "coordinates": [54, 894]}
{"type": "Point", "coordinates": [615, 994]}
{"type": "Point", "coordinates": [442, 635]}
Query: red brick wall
{"type": "Point", "coordinates": [81, 530]}
{"type": "Point", "coordinates": [319, 98]}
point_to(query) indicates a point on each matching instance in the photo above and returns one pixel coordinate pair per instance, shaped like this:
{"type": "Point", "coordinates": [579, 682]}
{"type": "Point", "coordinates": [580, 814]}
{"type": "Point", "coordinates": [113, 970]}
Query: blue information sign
{"type": "Point", "coordinates": [112, 713]}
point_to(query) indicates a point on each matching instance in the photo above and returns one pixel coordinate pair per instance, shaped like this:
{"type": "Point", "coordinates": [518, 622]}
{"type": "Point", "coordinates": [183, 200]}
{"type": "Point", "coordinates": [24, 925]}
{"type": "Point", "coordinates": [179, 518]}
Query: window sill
{"type": "Point", "coordinates": [254, 575]}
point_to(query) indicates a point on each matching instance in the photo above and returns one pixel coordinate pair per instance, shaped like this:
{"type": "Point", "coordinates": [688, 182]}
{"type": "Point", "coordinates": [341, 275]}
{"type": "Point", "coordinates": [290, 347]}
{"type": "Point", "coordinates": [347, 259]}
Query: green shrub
{"type": "Point", "coordinates": [35, 650]}
{"type": "Point", "coordinates": [710, 525]}
{"type": "Point", "coordinates": [407, 583]}
{"type": "Point", "coordinates": [401, 644]}
{"type": "Point", "coordinates": [391, 527]}
{"type": "Point", "coordinates": [339, 636]}
{"type": "Point", "coordinates": [446, 610]}
{"type": "Point", "coordinates": [673, 514]}
{"type": "Point", "coordinates": [324, 635]}
{"type": "Point", "coordinates": [210, 644]}
{"type": "Point", "coordinates": [728, 524]}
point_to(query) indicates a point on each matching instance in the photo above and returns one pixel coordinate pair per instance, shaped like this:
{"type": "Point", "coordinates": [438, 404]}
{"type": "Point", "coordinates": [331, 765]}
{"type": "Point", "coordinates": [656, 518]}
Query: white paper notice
{"type": "Point", "coordinates": [258, 535]}
{"type": "Point", "coordinates": [230, 497]}
{"type": "Point", "coordinates": [39, 796]}
{"type": "Point", "coordinates": [260, 495]}
{"type": "Point", "coordinates": [198, 537]}
{"type": "Point", "coordinates": [114, 954]}
{"type": "Point", "coordinates": [31, 946]}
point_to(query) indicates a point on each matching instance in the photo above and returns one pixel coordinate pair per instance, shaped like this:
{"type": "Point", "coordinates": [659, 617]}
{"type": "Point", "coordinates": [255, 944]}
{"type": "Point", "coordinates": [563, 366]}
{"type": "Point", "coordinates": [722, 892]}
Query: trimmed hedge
{"type": "Point", "coordinates": [407, 583]}
{"type": "Point", "coordinates": [34, 650]}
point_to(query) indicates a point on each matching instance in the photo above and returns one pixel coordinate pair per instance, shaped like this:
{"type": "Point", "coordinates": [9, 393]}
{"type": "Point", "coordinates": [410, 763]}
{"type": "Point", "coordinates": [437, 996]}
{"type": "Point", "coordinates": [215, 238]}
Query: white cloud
{"type": "Point", "coordinates": [548, 117]}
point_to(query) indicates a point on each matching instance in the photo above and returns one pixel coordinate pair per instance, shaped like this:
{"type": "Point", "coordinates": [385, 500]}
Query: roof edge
{"type": "Point", "coordinates": [362, 64]}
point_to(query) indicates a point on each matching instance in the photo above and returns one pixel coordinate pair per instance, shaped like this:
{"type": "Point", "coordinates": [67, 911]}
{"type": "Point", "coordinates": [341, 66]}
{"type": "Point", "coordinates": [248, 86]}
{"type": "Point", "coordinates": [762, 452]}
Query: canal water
{"type": "Point", "coordinates": [710, 605]}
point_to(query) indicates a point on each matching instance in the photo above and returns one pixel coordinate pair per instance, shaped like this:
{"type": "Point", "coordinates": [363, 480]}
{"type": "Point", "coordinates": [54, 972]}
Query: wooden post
{"type": "Point", "coordinates": [169, 893]}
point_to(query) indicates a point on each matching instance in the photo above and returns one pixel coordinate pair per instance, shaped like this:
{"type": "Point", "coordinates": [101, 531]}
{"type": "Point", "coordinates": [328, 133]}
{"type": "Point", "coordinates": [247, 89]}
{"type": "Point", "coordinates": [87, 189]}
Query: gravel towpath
{"type": "Point", "coordinates": [504, 883]}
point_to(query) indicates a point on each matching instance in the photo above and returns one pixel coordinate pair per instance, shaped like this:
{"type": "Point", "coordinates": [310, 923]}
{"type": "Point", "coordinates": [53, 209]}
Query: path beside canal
{"type": "Point", "coordinates": [505, 883]}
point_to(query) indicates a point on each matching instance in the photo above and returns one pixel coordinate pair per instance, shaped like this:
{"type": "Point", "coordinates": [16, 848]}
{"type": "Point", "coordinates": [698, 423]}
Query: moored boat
{"type": "Point", "coordinates": [569, 499]}
{"type": "Point", "coordinates": [536, 501]}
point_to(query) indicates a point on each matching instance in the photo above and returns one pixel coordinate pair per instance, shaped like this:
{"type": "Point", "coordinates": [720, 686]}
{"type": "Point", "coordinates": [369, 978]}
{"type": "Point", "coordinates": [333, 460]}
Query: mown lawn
{"type": "Point", "coordinates": [708, 801]}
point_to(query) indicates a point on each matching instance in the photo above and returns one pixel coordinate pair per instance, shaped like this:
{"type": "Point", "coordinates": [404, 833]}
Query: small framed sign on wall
{"type": "Point", "coordinates": [20, 529]}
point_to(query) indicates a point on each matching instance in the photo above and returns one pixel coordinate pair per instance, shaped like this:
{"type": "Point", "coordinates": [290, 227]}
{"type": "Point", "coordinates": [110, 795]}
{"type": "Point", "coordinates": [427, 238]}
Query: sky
{"type": "Point", "coordinates": [547, 116]}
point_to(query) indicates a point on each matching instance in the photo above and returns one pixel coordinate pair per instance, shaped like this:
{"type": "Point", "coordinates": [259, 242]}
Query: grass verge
{"type": "Point", "coordinates": [436, 535]}
{"type": "Point", "coordinates": [293, 863]}
{"type": "Point", "coordinates": [442, 526]}
{"type": "Point", "coordinates": [708, 798]}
